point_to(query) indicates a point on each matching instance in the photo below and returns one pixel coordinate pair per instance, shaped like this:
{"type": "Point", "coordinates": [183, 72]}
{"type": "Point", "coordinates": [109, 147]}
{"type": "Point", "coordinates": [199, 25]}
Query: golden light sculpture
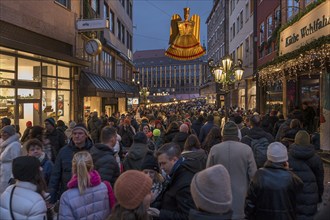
{"type": "Point", "coordinates": [185, 37]}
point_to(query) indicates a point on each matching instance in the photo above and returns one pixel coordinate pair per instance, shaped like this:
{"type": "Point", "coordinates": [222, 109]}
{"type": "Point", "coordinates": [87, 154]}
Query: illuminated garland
{"type": "Point", "coordinates": [300, 60]}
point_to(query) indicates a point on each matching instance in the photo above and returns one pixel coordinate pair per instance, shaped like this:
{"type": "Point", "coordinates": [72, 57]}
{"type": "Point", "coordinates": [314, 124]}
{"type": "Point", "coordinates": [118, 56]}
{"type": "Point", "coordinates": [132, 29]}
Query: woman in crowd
{"type": "Point", "coordinates": [212, 138]}
{"type": "Point", "coordinates": [133, 193]}
{"type": "Point", "coordinates": [10, 148]}
{"type": "Point", "coordinates": [192, 150]}
{"type": "Point", "coordinates": [87, 197]}
{"type": "Point", "coordinates": [25, 198]}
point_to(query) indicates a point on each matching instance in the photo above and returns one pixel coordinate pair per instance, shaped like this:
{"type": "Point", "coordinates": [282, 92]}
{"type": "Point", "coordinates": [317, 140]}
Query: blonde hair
{"type": "Point", "coordinates": [82, 164]}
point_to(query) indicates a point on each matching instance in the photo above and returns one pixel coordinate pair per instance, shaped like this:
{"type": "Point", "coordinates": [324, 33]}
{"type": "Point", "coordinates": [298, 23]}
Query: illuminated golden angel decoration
{"type": "Point", "coordinates": [185, 37]}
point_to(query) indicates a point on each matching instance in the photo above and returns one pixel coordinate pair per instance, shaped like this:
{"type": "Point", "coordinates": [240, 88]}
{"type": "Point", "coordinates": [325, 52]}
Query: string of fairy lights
{"type": "Point", "coordinates": [304, 63]}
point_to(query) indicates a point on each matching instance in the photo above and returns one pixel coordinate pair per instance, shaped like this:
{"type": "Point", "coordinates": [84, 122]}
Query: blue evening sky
{"type": "Point", "coordinates": [151, 20]}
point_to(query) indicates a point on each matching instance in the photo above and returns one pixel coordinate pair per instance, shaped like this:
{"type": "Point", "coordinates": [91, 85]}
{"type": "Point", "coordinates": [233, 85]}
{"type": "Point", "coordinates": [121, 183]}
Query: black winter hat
{"type": "Point", "coordinates": [25, 168]}
{"type": "Point", "coordinates": [51, 121]}
{"type": "Point", "coordinates": [150, 163]}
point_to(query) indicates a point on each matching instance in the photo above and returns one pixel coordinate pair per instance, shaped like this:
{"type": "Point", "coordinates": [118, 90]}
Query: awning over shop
{"type": "Point", "coordinates": [115, 85]}
{"type": "Point", "coordinates": [127, 88]}
{"type": "Point", "coordinates": [99, 82]}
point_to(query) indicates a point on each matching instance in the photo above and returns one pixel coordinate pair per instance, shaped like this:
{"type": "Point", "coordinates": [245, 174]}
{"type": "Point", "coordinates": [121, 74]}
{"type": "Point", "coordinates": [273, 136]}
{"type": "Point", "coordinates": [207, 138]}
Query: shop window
{"type": "Point", "coordinates": [28, 93]}
{"type": "Point", "coordinates": [47, 69]}
{"type": "Point", "coordinates": [63, 72]}
{"type": "Point", "coordinates": [7, 102]}
{"type": "Point", "coordinates": [29, 70]}
{"type": "Point", "coordinates": [49, 82]}
{"type": "Point", "coordinates": [48, 104]}
{"type": "Point", "coordinates": [7, 62]}
{"type": "Point", "coordinates": [6, 78]}
{"type": "Point", "coordinates": [63, 106]}
{"type": "Point", "coordinates": [63, 83]}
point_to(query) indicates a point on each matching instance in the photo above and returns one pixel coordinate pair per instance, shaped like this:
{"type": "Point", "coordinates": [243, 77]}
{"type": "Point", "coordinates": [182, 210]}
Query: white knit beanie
{"type": "Point", "coordinates": [277, 152]}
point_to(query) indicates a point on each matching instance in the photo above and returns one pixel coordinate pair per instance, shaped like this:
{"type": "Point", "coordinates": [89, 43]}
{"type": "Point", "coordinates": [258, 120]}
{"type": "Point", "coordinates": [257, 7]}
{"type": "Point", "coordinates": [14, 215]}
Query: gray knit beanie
{"type": "Point", "coordinates": [277, 152]}
{"type": "Point", "coordinates": [230, 130]}
{"type": "Point", "coordinates": [9, 129]}
{"type": "Point", "coordinates": [211, 190]}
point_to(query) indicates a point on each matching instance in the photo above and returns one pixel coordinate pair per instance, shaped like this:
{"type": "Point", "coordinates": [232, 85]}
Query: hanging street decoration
{"type": "Point", "coordinates": [185, 37]}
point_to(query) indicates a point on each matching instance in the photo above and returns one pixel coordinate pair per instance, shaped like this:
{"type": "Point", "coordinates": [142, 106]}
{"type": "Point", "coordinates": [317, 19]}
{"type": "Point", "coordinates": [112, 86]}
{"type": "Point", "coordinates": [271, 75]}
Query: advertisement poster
{"type": "Point", "coordinates": [60, 105]}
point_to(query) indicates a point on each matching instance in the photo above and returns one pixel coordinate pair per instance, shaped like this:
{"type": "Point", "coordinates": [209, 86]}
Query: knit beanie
{"type": "Point", "coordinates": [28, 124]}
{"type": "Point", "coordinates": [25, 168]}
{"type": "Point", "coordinates": [9, 129]}
{"type": "Point", "coordinates": [150, 163]}
{"type": "Point", "coordinates": [81, 126]}
{"type": "Point", "coordinates": [156, 132]}
{"type": "Point", "coordinates": [211, 190]}
{"type": "Point", "coordinates": [302, 138]}
{"type": "Point", "coordinates": [230, 129]}
{"type": "Point", "coordinates": [72, 124]}
{"type": "Point", "coordinates": [131, 188]}
{"type": "Point", "coordinates": [51, 121]}
{"type": "Point", "coordinates": [277, 152]}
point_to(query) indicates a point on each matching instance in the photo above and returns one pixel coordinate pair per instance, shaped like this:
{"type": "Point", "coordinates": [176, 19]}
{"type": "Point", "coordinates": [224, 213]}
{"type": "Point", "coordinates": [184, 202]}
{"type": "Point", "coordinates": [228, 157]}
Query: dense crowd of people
{"type": "Point", "coordinates": [179, 161]}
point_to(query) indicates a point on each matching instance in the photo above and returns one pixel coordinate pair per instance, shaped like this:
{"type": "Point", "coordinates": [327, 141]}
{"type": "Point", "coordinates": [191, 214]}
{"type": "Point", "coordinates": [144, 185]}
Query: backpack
{"type": "Point", "coordinates": [259, 148]}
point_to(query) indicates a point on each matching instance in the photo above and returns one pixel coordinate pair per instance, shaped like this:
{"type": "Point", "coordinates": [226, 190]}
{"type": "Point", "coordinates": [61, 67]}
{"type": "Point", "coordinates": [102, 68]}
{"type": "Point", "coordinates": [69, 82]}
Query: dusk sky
{"type": "Point", "coordinates": [152, 20]}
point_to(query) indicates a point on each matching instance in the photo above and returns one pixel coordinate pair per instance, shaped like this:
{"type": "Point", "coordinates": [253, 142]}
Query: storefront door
{"type": "Point", "coordinates": [28, 110]}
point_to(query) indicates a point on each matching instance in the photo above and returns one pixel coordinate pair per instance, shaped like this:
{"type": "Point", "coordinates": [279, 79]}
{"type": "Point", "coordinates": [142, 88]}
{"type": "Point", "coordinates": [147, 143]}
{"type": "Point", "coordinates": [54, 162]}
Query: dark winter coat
{"type": "Point", "coordinates": [168, 137]}
{"type": "Point", "coordinates": [177, 200]}
{"type": "Point", "coordinates": [94, 126]}
{"type": "Point", "coordinates": [272, 194]}
{"type": "Point", "coordinates": [25, 135]}
{"type": "Point", "coordinates": [196, 126]}
{"type": "Point", "coordinates": [135, 156]}
{"type": "Point", "coordinates": [180, 138]}
{"type": "Point", "coordinates": [200, 215]}
{"type": "Point", "coordinates": [105, 163]}
{"type": "Point", "coordinates": [126, 133]}
{"type": "Point", "coordinates": [256, 133]}
{"type": "Point", "coordinates": [200, 156]}
{"type": "Point", "coordinates": [205, 130]}
{"type": "Point", "coordinates": [57, 140]}
{"type": "Point", "coordinates": [309, 167]}
{"type": "Point", "coordinates": [47, 167]}
{"type": "Point", "coordinates": [62, 170]}
{"type": "Point", "coordinates": [277, 126]}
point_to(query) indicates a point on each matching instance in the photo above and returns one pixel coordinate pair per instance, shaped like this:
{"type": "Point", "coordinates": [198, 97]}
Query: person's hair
{"type": "Point", "coordinates": [32, 142]}
{"type": "Point", "coordinates": [214, 134]}
{"type": "Point", "coordinates": [170, 149]}
{"type": "Point", "coordinates": [121, 213]}
{"type": "Point", "coordinates": [210, 117]}
{"type": "Point", "coordinates": [173, 126]}
{"type": "Point", "coordinates": [40, 182]}
{"type": "Point", "coordinates": [5, 121]}
{"type": "Point", "coordinates": [36, 132]}
{"type": "Point", "coordinates": [255, 120]}
{"type": "Point", "coordinates": [295, 123]}
{"type": "Point", "coordinates": [140, 137]}
{"type": "Point", "coordinates": [192, 141]}
{"type": "Point", "coordinates": [280, 116]}
{"type": "Point", "coordinates": [107, 133]}
{"type": "Point", "coordinates": [60, 123]}
{"type": "Point", "coordinates": [82, 164]}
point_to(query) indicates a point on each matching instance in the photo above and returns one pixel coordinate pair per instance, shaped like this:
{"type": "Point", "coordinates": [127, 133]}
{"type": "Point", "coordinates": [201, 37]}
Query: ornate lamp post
{"type": "Point", "coordinates": [144, 93]}
{"type": "Point", "coordinates": [226, 75]}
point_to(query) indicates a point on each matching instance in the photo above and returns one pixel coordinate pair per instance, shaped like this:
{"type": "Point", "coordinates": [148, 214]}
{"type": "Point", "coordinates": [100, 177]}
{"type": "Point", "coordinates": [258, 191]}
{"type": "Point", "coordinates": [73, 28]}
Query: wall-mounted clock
{"type": "Point", "coordinates": [93, 47]}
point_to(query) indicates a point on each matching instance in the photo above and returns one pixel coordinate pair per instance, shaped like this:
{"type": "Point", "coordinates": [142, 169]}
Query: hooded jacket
{"type": "Point", "coordinates": [309, 167]}
{"type": "Point", "coordinates": [9, 150]}
{"type": "Point", "coordinates": [62, 170]}
{"type": "Point", "coordinates": [200, 156]}
{"type": "Point", "coordinates": [135, 156]}
{"type": "Point", "coordinates": [177, 200]}
{"type": "Point", "coordinates": [105, 162]}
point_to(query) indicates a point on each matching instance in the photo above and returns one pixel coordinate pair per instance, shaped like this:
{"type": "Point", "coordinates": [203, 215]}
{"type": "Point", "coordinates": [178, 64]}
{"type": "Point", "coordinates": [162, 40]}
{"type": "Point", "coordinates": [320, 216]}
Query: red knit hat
{"type": "Point", "coordinates": [28, 124]}
{"type": "Point", "coordinates": [131, 188]}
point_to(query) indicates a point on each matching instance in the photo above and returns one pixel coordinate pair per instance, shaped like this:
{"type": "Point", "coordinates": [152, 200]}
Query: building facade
{"type": "Point", "coordinates": [37, 61]}
{"type": "Point", "coordinates": [168, 79]}
{"type": "Point", "coordinates": [241, 47]}
{"type": "Point", "coordinates": [303, 62]}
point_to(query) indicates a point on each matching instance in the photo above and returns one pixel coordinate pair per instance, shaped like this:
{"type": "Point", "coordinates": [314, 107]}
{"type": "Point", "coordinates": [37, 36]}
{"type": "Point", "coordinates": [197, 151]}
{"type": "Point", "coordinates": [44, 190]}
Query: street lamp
{"type": "Point", "coordinates": [144, 93]}
{"type": "Point", "coordinates": [226, 75]}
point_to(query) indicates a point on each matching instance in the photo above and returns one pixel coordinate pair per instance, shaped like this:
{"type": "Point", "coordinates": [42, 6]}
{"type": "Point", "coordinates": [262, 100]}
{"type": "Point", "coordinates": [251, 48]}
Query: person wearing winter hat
{"type": "Point", "coordinates": [309, 167]}
{"type": "Point", "coordinates": [150, 167]}
{"type": "Point", "coordinates": [80, 141]}
{"type": "Point", "coordinates": [273, 190]}
{"type": "Point", "coordinates": [238, 159]}
{"type": "Point", "coordinates": [10, 148]}
{"type": "Point", "coordinates": [54, 139]}
{"type": "Point", "coordinates": [133, 193]}
{"type": "Point", "coordinates": [28, 191]}
{"type": "Point", "coordinates": [68, 131]}
{"type": "Point", "coordinates": [26, 132]}
{"type": "Point", "coordinates": [211, 192]}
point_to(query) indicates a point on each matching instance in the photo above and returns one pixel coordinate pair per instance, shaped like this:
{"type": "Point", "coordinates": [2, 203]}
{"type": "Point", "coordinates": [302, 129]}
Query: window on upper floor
{"type": "Point", "coordinates": [241, 19]}
{"type": "Point", "coordinates": [112, 21]}
{"type": "Point", "coordinates": [251, 6]}
{"type": "Point", "coordinates": [247, 45]}
{"type": "Point", "coordinates": [119, 29]}
{"type": "Point", "coordinates": [94, 5]}
{"type": "Point", "coordinates": [234, 32]}
{"type": "Point", "coordinates": [269, 26]}
{"type": "Point", "coordinates": [123, 33]}
{"type": "Point", "coordinates": [105, 11]}
{"type": "Point", "coordinates": [277, 18]}
{"type": "Point", "coordinates": [292, 8]}
{"type": "Point", "coordinates": [238, 24]}
{"type": "Point", "coordinates": [130, 10]}
{"type": "Point", "coordinates": [261, 32]}
{"type": "Point", "coordinates": [65, 3]}
{"type": "Point", "coordinates": [247, 11]}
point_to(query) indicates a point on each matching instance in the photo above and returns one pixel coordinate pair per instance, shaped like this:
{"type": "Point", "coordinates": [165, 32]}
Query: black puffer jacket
{"type": "Point", "coordinates": [135, 156]}
{"type": "Point", "coordinates": [105, 163]}
{"type": "Point", "coordinates": [308, 166]}
{"type": "Point", "coordinates": [62, 170]}
{"type": "Point", "coordinates": [272, 194]}
{"type": "Point", "coordinates": [177, 200]}
{"type": "Point", "coordinates": [180, 138]}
